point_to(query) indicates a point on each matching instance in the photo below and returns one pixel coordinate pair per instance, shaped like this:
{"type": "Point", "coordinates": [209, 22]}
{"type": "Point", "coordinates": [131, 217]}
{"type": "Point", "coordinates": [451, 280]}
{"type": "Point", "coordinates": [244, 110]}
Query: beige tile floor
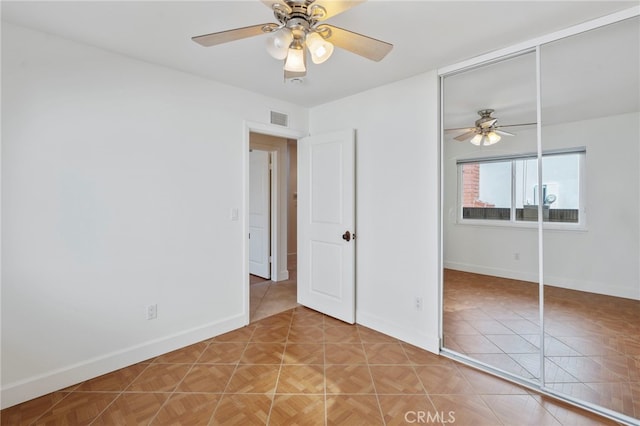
{"type": "Point", "coordinates": [298, 367]}
{"type": "Point", "coordinates": [295, 366]}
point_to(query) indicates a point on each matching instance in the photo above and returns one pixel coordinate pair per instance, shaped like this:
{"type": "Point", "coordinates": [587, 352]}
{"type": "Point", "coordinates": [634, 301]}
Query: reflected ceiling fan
{"type": "Point", "coordinates": [486, 130]}
{"type": "Point", "coordinates": [300, 28]}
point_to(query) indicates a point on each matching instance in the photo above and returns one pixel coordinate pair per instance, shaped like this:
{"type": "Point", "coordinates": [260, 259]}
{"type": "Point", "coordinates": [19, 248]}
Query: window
{"type": "Point", "coordinates": [506, 188]}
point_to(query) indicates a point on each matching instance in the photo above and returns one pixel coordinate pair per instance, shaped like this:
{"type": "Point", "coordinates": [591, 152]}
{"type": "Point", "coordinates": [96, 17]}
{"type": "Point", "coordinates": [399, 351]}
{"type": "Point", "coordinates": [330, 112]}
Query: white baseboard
{"type": "Point", "coordinates": [412, 336]}
{"type": "Point", "coordinates": [284, 274]}
{"type": "Point", "coordinates": [33, 387]}
{"type": "Point", "coordinates": [496, 272]}
{"type": "Point", "coordinates": [608, 289]}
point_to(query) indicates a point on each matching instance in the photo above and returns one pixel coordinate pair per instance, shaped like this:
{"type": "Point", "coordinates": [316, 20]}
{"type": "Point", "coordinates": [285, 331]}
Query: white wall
{"type": "Point", "coordinates": [118, 178]}
{"type": "Point", "coordinates": [601, 258]}
{"type": "Point", "coordinates": [396, 204]}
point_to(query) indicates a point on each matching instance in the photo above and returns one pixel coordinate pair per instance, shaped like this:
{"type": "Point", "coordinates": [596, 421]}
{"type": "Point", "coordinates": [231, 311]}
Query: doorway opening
{"type": "Point", "coordinates": [272, 225]}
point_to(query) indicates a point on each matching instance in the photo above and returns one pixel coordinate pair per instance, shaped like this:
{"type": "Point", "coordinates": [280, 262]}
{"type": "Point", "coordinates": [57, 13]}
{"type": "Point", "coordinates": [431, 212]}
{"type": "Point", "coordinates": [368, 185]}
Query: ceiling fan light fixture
{"type": "Point", "coordinates": [295, 59]}
{"type": "Point", "coordinates": [278, 44]}
{"type": "Point", "coordinates": [319, 48]}
{"type": "Point", "coordinates": [476, 140]}
{"type": "Point", "coordinates": [491, 138]}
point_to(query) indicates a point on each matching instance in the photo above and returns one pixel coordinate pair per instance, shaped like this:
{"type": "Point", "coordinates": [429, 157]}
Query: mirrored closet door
{"type": "Point", "coordinates": [591, 232]}
{"type": "Point", "coordinates": [491, 310]}
{"type": "Point", "coordinates": [541, 215]}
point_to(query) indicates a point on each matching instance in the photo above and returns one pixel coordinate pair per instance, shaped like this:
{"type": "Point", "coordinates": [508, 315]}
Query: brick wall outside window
{"type": "Point", "coordinates": [471, 186]}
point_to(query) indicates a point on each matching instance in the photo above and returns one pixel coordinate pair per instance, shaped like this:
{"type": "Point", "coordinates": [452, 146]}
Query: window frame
{"type": "Point", "coordinates": [581, 225]}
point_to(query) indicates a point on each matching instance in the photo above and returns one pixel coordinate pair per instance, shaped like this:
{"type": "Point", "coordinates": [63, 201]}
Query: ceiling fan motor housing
{"type": "Point", "coordinates": [300, 18]}
{"type": "Point", "coordinates": [298, 26]}
{"type": "Point", "coordinates": [485, 121]}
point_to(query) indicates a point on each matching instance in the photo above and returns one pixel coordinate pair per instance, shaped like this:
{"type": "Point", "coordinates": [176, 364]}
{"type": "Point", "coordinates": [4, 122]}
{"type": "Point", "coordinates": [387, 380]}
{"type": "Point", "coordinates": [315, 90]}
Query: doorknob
{"type": "Point", "coordinates": [346, 236]}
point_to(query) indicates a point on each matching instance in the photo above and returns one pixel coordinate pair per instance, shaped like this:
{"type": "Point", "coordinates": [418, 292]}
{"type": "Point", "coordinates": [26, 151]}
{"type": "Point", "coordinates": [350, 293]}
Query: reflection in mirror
{"type": "Point", "coordinates": [490, 279]}
{"type": "Point", "coordinates": [590, 106]}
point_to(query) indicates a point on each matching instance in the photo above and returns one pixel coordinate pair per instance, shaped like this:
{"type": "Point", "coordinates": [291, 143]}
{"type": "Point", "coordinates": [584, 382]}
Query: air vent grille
{"type": "Point", "coordinates": [279, 119]}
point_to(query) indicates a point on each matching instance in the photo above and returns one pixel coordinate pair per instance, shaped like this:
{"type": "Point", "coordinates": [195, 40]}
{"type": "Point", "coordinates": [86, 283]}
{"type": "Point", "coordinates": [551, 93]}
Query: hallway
{"type": "Point", "coordinates": [268, 298]}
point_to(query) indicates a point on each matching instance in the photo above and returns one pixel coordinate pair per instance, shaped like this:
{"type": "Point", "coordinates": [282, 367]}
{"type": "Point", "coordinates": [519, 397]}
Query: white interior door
{"type": "Point", "coordinates": [259, 231]}
{"type": "Point", "coordinates": [326, 224]}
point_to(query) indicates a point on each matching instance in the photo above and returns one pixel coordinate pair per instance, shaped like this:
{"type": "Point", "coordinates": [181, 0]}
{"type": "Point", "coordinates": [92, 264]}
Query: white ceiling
{"type": "Point", "coordinates": [426, 35]}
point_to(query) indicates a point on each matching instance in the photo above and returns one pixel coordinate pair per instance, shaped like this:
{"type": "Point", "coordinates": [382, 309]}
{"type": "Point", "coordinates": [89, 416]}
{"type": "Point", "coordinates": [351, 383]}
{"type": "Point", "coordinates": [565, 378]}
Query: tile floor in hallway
{"type": "Point", "coordinates": [269, 298]}
{"type": "Point", "coordinates": [297, 367]}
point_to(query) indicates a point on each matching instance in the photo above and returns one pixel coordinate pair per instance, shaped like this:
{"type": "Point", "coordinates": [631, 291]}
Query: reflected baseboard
{"type": "Point", "coordinates": [496, 272]}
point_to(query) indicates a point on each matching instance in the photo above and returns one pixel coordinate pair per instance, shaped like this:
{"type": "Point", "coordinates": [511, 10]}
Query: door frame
{"type": "Point", "coordinates": [276, 196]}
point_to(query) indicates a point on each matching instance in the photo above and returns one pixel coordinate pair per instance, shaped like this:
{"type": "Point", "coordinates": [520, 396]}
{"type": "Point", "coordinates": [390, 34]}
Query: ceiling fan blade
{"type": "Point", "coordinates": [229, 35]}
{"type": "Point", "coordinates": [270, 3]}
{"type": "Point", "coordinates": [465, 136]}
{"type": "Point", "coordinates": [503, 133]}
{"type": "Point", "coordinates": [518, 125]}
{"type": "Point", "coordinates": [335, 7]}
{"type": "Point", "coordinates": [466, 129]}
{"type": "Point", "coordinates": [359, 44]}
{"type": "Point", "coordinates": [488, 123]}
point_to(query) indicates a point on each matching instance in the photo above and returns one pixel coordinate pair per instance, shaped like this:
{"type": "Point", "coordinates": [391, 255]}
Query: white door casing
{"type": "Point", "coordinates": [259, 229]}
{"type": "Point", "coordinates": [326, 212]}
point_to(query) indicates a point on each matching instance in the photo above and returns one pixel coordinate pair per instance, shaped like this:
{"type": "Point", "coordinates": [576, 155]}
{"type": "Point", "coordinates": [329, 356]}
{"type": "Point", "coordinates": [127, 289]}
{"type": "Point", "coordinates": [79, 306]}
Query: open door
{"type": "Point", "coordinates": [326, 224]}
{"type": "Point", "coordinates": [259, 230]}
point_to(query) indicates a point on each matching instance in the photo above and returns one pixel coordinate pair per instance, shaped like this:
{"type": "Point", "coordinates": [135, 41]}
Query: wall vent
{"type": "Point", "coordinates": [279, 119]}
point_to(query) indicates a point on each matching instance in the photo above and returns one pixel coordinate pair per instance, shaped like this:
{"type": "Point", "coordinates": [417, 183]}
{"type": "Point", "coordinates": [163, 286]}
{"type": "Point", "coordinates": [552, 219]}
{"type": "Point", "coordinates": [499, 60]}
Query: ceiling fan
{"type": "Point", "coordinates": [300, 28]}
{"type": "Point", "coordinates": [486, 130]}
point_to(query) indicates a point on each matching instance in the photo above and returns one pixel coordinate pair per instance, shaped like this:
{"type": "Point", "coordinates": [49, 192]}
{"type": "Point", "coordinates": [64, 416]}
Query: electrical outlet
{"type": "Point", "coordinates": [152, 311]}
{"type": "Point", "coordinates": [418, 303]}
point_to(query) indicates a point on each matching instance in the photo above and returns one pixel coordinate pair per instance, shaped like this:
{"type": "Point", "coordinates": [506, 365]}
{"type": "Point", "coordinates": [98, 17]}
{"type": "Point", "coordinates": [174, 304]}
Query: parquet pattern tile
{"type": "Point", "coordinates": [591, 343]}
{"type": "Point", "coordinates": [257, 375]}
{"type": "Point", "coordinates": [300, 410]}
{"type": "Point", "coordinates": [188, 409]}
